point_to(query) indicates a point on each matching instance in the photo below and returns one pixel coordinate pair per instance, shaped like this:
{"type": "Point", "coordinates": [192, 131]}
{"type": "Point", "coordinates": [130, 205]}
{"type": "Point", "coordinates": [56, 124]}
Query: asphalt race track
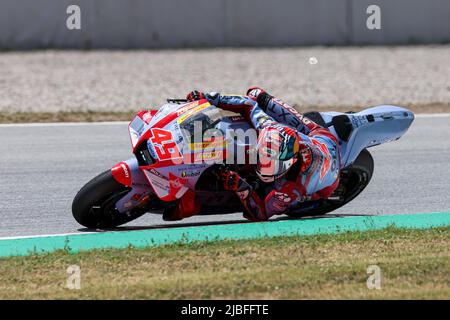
{"type": "Point", "coordinates": [42, 166]}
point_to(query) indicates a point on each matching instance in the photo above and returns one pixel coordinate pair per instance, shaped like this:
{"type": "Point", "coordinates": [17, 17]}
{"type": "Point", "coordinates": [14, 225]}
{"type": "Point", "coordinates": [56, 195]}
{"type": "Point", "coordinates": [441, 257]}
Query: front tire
{"type": "Point", "coordinates": [94, 205]}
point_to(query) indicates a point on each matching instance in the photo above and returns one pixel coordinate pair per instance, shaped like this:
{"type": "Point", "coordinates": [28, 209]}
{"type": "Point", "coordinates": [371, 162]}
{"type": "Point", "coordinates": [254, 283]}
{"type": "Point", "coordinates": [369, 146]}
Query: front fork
{"type": "Point", "coordinates": [130, 175]}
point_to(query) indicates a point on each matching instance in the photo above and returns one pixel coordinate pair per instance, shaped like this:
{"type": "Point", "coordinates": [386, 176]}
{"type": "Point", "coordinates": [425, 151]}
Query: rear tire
{"type": "Point", "coordinates": [94, 205]}
{"type": "Point", "coordinates": [354, 180]}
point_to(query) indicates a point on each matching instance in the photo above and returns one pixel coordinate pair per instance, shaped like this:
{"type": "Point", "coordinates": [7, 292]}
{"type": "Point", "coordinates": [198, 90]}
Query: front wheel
{"type": "Point", "coordinates": [353, 180]}
{"type": "Point", "coordinates": [94, 205]}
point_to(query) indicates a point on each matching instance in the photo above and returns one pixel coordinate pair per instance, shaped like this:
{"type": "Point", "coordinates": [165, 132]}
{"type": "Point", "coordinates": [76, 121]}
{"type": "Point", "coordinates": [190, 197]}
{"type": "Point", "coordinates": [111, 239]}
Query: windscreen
{"type": "Point", "coordinates": [194, 127]}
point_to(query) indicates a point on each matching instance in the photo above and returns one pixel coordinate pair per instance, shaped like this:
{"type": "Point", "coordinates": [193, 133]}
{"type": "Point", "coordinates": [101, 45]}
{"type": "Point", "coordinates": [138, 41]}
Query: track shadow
{"type": "Point", "coordinates": [213, 223]}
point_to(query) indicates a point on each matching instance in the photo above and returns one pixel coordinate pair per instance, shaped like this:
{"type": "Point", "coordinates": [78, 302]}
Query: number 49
{"type": "Point", "coordinates": [166, 148]}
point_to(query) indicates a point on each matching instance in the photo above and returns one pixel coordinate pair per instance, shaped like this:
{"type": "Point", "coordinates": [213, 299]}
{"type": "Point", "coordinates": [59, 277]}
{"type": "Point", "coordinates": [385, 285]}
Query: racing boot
{"type": "Point", "coordinates": [187, 206]}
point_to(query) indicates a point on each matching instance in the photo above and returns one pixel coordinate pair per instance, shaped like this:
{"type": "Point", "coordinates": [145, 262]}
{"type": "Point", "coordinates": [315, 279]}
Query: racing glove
{"type": "Point", "coordinates": [212, 97]}
{"type": "Point", "coordinates": [195, 95]}
{"type": "Point", "coordinates": [254, 207]}
{"type": "Point", "coordinates": [233, 182]}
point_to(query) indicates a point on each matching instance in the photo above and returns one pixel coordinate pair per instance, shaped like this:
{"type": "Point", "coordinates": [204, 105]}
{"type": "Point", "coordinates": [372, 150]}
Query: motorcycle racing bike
{"type": "Point", "coordinates": [169, 160]}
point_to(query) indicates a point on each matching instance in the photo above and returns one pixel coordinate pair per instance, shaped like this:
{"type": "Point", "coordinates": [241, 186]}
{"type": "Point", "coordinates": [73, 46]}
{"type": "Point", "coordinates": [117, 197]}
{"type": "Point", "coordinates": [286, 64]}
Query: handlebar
{"type": "Point", "coordinates": [177, 100]}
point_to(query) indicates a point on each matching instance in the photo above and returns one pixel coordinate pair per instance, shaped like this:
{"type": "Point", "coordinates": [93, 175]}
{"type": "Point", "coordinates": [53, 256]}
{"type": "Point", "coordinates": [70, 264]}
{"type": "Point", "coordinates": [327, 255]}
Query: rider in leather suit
{"type": "Point", "coordinates": [297, 158]}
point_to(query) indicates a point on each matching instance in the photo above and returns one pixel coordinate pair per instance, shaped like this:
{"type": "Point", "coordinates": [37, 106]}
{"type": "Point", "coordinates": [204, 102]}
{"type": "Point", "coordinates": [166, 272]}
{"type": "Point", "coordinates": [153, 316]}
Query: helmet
{"type": "Point", "coordinates": [277, 147]}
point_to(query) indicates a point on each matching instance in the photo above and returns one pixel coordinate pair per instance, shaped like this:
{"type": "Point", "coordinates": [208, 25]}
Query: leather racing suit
{"type": "Point", "coordinates": [315, 176]}
{"type": "Point", "coordinates": [317, 173]}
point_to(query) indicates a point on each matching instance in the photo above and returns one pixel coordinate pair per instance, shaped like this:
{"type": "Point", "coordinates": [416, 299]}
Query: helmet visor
{"type": "Point", "coordinates": [271, 161]}
{"type": "Point", "coordinates": [268, 167]}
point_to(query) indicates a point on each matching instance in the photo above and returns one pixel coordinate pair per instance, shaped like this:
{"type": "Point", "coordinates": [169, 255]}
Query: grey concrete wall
{"type": "Point", "coordinates": [26, 24]}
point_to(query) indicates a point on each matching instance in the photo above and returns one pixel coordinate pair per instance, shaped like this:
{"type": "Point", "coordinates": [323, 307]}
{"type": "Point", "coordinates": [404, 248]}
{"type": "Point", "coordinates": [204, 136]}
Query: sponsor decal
{"type": "Point", "coordinates": [261, 120]}
{"type": "Point", "coordinates": [147, 117]}
{"type": "Point", "coordinates": [121, 173]}
{"type": "Point", "coordinates": [156, 173]}
{"type": "Point", "coordinates": [151, 149]}
{"type": "Point", "coordinates": [289, 114]}
{"type": "Point", "coordinates": [288, 107]}
{"type": "Point", "coordinates": [192, 111]}
{"type": "Point", "coordinates": [176, 182]}
{"type": "Point", "coordinates": [187, 107]}
{"type": "Point", "coordinates": [215, 155]}
{"type": "Point", "coordinates": [195, 173]}
{"type": "Point", "coordinates": [217, 143]}
{"type": "Point", "coordinates": [358, 121]}
{"type": "Point", "coordinates": [236, 118]}
{"type": "Point", "coordinates": [165, 146]}
{"type": "Point", "coordinates": [177, 185]}
{"type": "Point", "coordinates": [254, 93]}
{"type": "Point", "coordinates": [159, 183]}
{"type": "Point", "coordinates": [190, 167]}
{"type": "Point", "coordinates": [326, 159]}
{"type": "Point", "coordinates": [306, 158]}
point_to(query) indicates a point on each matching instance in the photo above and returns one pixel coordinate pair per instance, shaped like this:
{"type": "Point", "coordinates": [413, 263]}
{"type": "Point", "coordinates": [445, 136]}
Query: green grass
{"type": "Point", "coordinates": [414, 264]}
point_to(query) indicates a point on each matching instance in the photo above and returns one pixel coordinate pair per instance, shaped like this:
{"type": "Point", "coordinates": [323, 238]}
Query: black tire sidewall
{"type": "Point", "coordinates": [90, 194]}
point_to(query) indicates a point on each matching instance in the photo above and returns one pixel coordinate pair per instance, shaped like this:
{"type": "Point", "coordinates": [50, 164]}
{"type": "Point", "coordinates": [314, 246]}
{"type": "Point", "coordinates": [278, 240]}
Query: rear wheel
{"type": "Point", "coordinates": [353, 181]}
{"type": "Point", "coordinates": [94, 204]}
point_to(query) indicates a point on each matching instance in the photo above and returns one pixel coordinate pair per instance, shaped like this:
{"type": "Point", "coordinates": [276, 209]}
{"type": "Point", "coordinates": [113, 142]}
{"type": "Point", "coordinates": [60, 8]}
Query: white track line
{"type": "Point", "coordinates": [432, 115]}
{"type": "Point", "coordinates": [63, 124]}
{"type": "Point", "coordinates": [106, 123]}
{"type": "Point", "coordinates": [50, 235]}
